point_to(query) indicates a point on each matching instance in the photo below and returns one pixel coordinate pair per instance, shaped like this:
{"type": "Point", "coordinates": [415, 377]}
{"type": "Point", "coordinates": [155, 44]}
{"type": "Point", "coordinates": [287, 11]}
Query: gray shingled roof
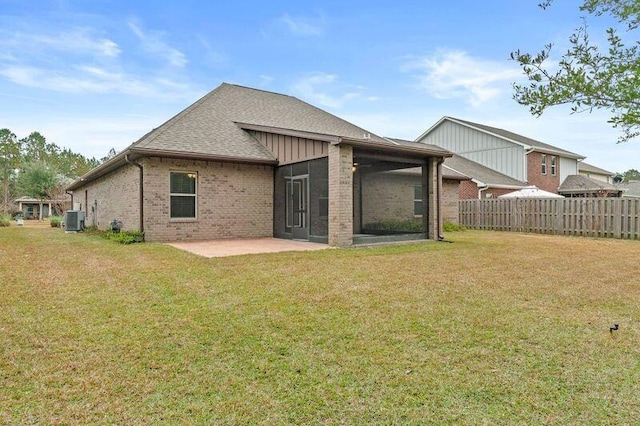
{"type": "Point", "coordinates": [632, 189]}
{"type": "Point", "coordinates": [574, 184]}
{"type": "Point", "coordinates": [588, 168]}
{"type": "Point", "coordinates": [209, 125]}
{"type": "Point", "coordinates": [481, 173]}
{"type": "Point", "coordinates": [541, 146]}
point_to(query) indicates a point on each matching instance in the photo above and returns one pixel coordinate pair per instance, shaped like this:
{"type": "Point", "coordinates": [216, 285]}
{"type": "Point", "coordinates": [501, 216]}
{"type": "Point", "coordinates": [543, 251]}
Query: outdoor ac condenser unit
{"type": "Point", "coordinates": [74, 221]}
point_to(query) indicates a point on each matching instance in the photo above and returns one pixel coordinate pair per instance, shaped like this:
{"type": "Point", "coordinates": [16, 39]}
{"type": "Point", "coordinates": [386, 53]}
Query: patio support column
{"type": "Point", "coordinates": [340, 195]}
{"type": "Point", "coordinates": [430, 219]}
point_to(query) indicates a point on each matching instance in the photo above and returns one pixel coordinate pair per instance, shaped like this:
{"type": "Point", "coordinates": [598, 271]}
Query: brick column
{"type": "Point", "coordinates": [340, 195]}
{"type": "Point", "coordinates": [430, 221]}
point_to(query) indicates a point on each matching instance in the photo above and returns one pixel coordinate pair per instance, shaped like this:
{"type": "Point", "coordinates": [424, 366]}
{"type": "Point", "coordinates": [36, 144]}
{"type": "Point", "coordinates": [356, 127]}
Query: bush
{"type": "Point", "coordinates": [453, 227]}
{"type": "Point", "coordinates": [124, 237]}
{"type": "Point", "coordinates": [55, 221]}
{"type": "Point", "coordinates": [5, 220]}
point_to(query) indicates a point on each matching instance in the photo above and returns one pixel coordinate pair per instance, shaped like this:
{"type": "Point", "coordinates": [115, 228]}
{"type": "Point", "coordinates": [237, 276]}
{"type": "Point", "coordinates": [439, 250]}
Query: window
{"type": "Point", "coordinates": [553, 165]}
{"type": "Point", "coordinates": [544, 164]}
{"type": "Point", "coordinates": [183, 194]}
{"type": "Point", "coordinates": [417, 201]}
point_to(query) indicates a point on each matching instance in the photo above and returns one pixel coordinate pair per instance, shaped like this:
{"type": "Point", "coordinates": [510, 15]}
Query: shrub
{"type": "Point", "coordinates": [55, 221]}
{"type": "Point", "coordinates": [124, 237]}
{"type": "Point", "coordinates": [453, 227]}
{"type": "Point", "coordinates": [5, 219]}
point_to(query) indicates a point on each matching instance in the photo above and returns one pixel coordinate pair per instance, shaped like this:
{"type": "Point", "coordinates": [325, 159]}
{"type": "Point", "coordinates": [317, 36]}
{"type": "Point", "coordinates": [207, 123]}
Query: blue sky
{"type": "Point", "coordinates": [92, 75]}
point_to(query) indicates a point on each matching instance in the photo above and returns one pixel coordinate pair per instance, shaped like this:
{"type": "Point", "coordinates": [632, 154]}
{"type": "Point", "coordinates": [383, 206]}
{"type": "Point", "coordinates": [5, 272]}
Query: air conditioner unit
{"type": "Point", "coordinates": [73, 221]}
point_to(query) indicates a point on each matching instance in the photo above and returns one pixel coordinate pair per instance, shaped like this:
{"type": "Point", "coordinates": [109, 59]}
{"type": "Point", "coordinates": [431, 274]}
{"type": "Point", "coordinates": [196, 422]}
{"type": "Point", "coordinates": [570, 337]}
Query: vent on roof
{"type": "Point", "coordinates": [367, 136]}
{"type": "Point", "coordinates": [73, 221]}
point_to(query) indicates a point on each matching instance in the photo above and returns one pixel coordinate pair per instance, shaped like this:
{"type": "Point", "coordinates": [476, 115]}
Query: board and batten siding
{"type": "Point", "coordinates": [568, 166]}
{"type": "Point", "coordinates": [292, 149]}
{"type": "Point", "coordinates": [490, 151]}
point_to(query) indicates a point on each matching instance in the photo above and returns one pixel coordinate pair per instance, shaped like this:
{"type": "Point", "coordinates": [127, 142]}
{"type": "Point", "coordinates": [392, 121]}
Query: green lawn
{"type": "Point", "coordinates": [492, 328]}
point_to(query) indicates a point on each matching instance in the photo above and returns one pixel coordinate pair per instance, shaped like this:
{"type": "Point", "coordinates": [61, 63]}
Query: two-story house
{"type": "Point", "coordinates": [521, 158]}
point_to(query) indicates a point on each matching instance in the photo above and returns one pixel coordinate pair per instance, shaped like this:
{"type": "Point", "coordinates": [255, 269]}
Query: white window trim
{"type": "Point", "coordinates": [543, 161]}
{"type": "Point", "coordinates": [554, 165]}
{"type": "Point", "coordinates": [195, 195]}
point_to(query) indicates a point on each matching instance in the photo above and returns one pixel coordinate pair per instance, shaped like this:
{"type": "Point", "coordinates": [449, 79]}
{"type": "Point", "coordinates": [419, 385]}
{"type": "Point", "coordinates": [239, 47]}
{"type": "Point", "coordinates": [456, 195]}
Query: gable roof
{"type": "Point", "coordinates": [588, 168]}
{"type": "Point", "coordinates": [214, 128]}
{"type": "Point", "coordinates": [482, 175]}
{"type": "Point", "coordinates": [508, 136]}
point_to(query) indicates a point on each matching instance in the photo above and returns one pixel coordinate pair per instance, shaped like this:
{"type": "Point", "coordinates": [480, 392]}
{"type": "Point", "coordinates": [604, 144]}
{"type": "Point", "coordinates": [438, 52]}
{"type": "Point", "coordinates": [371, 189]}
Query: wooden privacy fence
{"type": "Point", "coordinates": [588, 217]}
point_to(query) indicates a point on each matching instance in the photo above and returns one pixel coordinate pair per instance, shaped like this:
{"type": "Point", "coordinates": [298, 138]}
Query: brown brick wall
{"type": "Point", "coordinates": [387, 196]}
{"type": "Point", "coordinates": [233, 201]}
{"type": "Point", "coordinates": [112, 196]}
{"type": "Point", "coordinates": [449, 200]}
{"type": "Point", "coordinates": [468, 190]}
{"type": "Point", "coordinates": [535, 177]}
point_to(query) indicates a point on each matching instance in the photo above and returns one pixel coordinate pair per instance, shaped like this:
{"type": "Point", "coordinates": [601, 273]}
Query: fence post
{"type": "Point", "coordinates": [617, 218]}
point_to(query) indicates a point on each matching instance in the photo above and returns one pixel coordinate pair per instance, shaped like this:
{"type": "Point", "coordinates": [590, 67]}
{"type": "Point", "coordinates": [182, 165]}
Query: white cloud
{"type": "Point", "coordinates": [455, 74]}
{"type": "Point", "coordinates": [319, 88]}
{"type": "Point", "coordinates": [153, 43]}
{"type": "Point", "coordinates": [302, 26]}
{"type": "Point", "coordinates": [91, 79]}
{"type": "Point", "coordinates": [76, 41]}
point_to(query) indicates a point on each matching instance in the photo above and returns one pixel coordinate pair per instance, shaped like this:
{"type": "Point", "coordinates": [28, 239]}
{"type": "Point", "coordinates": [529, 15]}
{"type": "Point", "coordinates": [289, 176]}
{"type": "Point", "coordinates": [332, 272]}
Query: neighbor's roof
{"type": "Point", "coordinates": [215, 127]}
{"type": "Point", "coordinates": [631, 189]}
{"type": "Point", "coordinates": [588, 168]}
{"type": "Point", "coordinates": [531, 192]}
{"type": "Point", "coordinates": [507, 135]}
{"type": "Point", "coordinates": [481, 174]}
{"type": "Point", "coordinates": [575, 184]}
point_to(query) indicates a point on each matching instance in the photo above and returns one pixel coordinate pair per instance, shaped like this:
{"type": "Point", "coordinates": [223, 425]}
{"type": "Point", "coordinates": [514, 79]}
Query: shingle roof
{"type": "Point", "coordinates": [537, 145]}
{"type": "Point", "coordinates": [481, 173]}
{"type": "Point", "coordinates": [214, 128]}
{"type": "Point", "coordinates": [583, 184]}
{"type": "Point", "coordinates": [632, 189]}
{"type": "Point", "coordinates": [209, 126]}
{"type": "Point", "coordinates": [585, 167]}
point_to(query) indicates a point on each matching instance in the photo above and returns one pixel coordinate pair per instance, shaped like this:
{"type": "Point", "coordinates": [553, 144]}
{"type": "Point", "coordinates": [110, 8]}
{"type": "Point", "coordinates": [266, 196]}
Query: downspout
{"type": "Point", "coordinates": [439, 199]}
{"type": "Point", "coordinates": [71, 194]}
{"type": "Point", "coordinates": [480, 189]}
{"type": "Point", "coordinates": [140, 190]}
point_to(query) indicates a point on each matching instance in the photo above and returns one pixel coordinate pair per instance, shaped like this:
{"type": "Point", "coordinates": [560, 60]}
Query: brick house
{"type": "Point", "coordinates": [242, 163]}
{"type": "Point", "coordinates": [518, 157]}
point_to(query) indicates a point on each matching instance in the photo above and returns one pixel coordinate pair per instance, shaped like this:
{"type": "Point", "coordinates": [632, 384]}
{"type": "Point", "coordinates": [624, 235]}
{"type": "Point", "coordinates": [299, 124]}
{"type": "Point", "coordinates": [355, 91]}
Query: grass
{"type": "Point", "coordinates": [493, 328]}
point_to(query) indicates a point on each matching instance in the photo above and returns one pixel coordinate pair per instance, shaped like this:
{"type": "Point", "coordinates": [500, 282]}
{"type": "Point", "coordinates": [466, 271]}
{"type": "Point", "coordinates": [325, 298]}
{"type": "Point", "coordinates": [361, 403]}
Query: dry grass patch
{"type": "Point", "coordinates": [492, 328]}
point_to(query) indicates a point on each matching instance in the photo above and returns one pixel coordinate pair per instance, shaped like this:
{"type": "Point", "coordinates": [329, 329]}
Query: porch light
{"type": "Point", "coordinates": [354, 167]}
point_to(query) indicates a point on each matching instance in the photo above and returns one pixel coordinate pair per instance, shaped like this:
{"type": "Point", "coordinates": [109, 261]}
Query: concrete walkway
{"type": "Point", "coordinates": [238, 246]}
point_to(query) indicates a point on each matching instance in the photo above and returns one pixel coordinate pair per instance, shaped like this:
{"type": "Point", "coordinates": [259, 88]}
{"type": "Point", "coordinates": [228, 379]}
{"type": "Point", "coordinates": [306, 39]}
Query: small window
{"type": "Point", "coordinates": [418, 209]}
{"type": "Point", "coordinates": [544, 164]}
{"type": "Point", "coordinates": [553, 165]}
{"type": "Point", "coordinates": [183, 195]}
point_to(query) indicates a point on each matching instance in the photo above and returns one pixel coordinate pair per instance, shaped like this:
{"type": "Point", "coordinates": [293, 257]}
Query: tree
{"type": "Point", "coordinates": [589, 77]}
{"type": "Point", "coordinates": [10, 159]}
{"type": "Point", "coordinates": [631, 175]}
{"type": "Point", "coordinates": [37, 180]}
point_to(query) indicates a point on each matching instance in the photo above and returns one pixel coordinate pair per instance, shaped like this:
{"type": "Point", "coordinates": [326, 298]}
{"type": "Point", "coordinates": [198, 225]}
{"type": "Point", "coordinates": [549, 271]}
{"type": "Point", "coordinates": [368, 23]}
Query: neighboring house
{"type": "Point", "coordinates": [595, 173]}
{"type": "Point", "coordinates": [631, 189]}
{"type": "Point", "coordinates": [582, 186]}
{"type": "Point", "coordinates": [485, 182]}
{"type": "Point", "coordinates": [33, 208]}
{"type": "Point", "coordinates": [518, 157]}
{"type": "Point", "coordinates": [242, 162]}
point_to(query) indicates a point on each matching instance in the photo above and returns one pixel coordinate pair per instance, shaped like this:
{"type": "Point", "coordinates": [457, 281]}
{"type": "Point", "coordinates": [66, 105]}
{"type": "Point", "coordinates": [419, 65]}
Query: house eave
{"type": "Point", "coordinates": [135, 153]}
{"type": "Point", "coordinates": [411, 151]}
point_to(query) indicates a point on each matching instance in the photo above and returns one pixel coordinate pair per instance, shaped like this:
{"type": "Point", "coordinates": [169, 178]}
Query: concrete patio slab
{"type": "Point", "coordinates": [239, 246]}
